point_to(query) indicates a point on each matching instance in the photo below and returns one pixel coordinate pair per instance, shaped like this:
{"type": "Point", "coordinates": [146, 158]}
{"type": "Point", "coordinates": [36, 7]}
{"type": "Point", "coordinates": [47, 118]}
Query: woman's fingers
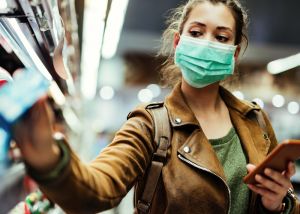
{"type": "Point", "coordinates": [263, 192]}
{"type": "Point", "coordinates": [291, 170]}
{"type": "Point", "coordinates": [33, 133]}
{"type": "Point", "coordinates": [272, 185]}
{"type": "Point", "coordinates": [250, 167]}
{"type": "Point", "coordinates": [35, 126]}
{"type": "Point", "coordinates": [278, 178]}
{"type": "Point", "coordinates": [278, 187]}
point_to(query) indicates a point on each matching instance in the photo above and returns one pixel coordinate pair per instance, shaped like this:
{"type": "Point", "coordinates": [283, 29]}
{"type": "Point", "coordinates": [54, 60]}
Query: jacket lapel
{"type": "Point", "coordinates": [196, 148]}
{"type": "Point", "coordinates": [199, 151]}
{"type": "Point", "coordinates": [253, 155]}
{"type": "Point", "coordinates": [248, 130]}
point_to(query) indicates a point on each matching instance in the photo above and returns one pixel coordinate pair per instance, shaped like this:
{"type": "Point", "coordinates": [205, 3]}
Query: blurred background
{"type": "Point", "coordinates": [101, 56]}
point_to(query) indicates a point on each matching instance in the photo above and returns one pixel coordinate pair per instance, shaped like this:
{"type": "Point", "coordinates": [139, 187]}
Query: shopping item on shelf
{"type": "Point", "coordinates": [4, 77]}
{"type": "Point", "coordinates": [35, 203]}
{"type": "Point", "coordinates": [16, 98]}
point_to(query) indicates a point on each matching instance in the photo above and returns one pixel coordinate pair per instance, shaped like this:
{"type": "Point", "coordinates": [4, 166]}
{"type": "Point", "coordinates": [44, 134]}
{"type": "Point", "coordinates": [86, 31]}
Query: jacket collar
{"type": "Point", "coordinates": [241, 106]}
{"type": "Point", "coordinates": [180, 113]}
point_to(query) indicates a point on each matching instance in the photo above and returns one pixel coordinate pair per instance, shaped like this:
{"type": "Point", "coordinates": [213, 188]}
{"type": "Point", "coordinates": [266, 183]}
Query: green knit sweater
{"type": "Point", "coordinates": [233, 159]}
{"type": "Point", "coordinates": [231, 156]}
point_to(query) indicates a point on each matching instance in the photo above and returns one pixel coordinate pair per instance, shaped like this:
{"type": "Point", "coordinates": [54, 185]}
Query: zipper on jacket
{"type": "Point", "coordinates": [209, 171]}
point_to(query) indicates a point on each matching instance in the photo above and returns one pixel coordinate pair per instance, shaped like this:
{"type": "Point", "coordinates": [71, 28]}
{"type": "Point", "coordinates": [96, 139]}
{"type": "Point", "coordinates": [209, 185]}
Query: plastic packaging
{"type": "Point", "coordinates": [15, 99]}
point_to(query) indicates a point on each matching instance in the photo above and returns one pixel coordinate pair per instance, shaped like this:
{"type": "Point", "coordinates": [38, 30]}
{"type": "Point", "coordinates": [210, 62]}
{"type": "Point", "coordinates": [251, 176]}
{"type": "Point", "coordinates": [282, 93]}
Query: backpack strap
{"type": "Point", "coordinates": [162, 139]}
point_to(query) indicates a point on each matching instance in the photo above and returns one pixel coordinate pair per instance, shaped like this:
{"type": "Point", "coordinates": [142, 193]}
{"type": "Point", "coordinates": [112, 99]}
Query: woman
{"type": "Point", "coordinates": [213, 135]}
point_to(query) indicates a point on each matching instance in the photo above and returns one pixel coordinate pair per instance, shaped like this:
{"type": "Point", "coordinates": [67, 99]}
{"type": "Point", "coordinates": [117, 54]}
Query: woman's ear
{"type": "Point", "coordinates": [176, 39]}
{"type": "Point", "coordinates": [237, 52]}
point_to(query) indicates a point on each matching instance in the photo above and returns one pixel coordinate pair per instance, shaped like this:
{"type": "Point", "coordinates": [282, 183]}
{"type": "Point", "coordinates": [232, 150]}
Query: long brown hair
{"type": "Point", "coordinates": [170, 73]}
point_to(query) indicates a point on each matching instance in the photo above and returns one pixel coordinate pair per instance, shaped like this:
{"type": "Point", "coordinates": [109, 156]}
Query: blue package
{"type": "Point", "coordinates": [4, 144]}
{"type": "Point", "coordinates": [15, 99]}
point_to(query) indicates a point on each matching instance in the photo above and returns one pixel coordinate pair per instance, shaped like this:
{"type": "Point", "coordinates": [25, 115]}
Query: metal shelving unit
{"type": "Point", "coordinates": [9, 174]}
{"type": "Point", "coordinates": [33, 36]}
{"type": "Point", "coordinates": [35, 32]}
{"type": "Point", "coordinates": [11, 177]}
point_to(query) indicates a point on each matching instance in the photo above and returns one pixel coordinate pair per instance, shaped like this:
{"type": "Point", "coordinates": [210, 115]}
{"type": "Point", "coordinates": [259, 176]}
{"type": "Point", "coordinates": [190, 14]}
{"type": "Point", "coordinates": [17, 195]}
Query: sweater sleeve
{"type": "Point", "coordinates": [288, 209]}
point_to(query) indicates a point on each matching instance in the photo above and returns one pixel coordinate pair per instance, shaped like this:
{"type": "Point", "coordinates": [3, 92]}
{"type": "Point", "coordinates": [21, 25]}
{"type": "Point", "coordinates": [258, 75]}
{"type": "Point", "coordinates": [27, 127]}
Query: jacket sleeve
{"type": "Point", "coordinates": [101, 184]}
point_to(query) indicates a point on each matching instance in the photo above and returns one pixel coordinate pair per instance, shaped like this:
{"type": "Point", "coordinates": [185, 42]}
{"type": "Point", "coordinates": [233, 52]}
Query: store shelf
{"type": "Point", "coordinates": [11, 186]}
{"type": "Point", "coordinates": [34, 31]}
{"type": "Point", "coordinates": [29, 30]}
{"type": "Point", "coordinates": [9, 175]}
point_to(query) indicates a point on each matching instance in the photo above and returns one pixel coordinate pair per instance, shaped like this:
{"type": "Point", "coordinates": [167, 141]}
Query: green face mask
{"type": "Point", "coordinates": [203, 62]}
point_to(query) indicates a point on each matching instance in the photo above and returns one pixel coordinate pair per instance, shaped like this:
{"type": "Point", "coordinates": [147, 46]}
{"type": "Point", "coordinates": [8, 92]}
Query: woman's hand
{"type": "Point", "coordinates": [272, 186]}
{"type": "Point", "coordinates": [33, 134]}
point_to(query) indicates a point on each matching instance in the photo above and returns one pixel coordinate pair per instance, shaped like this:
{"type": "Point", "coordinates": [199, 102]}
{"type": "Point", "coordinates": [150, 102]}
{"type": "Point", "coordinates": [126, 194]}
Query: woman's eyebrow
{"type": "Point", "coordinates": [198, 23]}
{"type": "Point", "coordinates": [224, 28]}
{"type": "Point", "coordinates": [204, 25]}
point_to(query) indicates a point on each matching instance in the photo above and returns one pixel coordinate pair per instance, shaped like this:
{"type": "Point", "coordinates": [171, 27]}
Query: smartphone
{"type": "Point", "coordinates": [278, 159]}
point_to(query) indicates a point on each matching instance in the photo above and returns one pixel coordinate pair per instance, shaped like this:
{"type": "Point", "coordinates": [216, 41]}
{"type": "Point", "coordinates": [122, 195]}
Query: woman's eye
{"type": "Point", "coordinates": [221, 38]}
{"type": "Point", "coordinates": [195, 33]}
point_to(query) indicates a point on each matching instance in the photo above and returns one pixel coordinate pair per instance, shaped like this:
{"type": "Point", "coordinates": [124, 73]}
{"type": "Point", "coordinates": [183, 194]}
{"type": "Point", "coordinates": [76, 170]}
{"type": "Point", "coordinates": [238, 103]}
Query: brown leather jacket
{"type": "Point", "coordinates": [192, 182]}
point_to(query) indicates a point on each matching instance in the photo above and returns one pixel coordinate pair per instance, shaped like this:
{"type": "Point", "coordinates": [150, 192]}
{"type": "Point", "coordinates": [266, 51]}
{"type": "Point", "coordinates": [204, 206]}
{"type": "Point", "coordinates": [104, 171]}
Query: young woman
{"type": "Point", "coordinates": [214, 136]}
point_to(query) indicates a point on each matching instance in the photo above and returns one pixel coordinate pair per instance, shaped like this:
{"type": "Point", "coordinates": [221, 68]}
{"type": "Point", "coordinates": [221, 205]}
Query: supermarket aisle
{"type": "Point", "coordinates": [95, 61]}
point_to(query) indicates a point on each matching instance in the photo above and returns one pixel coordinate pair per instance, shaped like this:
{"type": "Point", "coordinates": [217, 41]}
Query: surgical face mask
{"type": "Point", "coordinates": [203, 62]}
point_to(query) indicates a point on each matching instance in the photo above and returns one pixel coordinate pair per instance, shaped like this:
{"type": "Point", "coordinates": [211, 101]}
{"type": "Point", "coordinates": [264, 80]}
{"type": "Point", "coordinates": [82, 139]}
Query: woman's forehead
{"type": "Point", "coordinates": [218, 15]}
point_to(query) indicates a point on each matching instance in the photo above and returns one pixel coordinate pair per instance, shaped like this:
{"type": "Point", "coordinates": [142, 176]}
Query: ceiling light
{"type": "Point", "coordinates": [91, 46]}
{"type": "Point", "coordinates": [278, 101]}
{"type": "Point", "coordinates": [145, 95]}
{"type": "Point", "coordinates": [155, 89]}
{"type": "Point", "coordinates": [113, 27]}
{"type": "Point", "coordinates": [293, 107]}
{"type": "Point", "coordinates": [107, 92]}
{"type": "Point", "coordinates": [284, 64]}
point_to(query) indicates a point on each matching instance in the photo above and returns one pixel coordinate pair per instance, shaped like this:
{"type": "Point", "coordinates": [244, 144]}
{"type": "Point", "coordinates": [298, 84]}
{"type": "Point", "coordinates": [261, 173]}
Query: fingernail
{"type": "Point", "coordinates": [267, 171]}
{"type": "Point", "coordinates": [258, 177]}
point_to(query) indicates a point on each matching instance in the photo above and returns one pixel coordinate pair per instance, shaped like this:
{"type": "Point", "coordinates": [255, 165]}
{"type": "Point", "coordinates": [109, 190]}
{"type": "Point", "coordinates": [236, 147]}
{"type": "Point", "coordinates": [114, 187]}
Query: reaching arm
{"type": "Point", "coordinates": [100, 185]}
